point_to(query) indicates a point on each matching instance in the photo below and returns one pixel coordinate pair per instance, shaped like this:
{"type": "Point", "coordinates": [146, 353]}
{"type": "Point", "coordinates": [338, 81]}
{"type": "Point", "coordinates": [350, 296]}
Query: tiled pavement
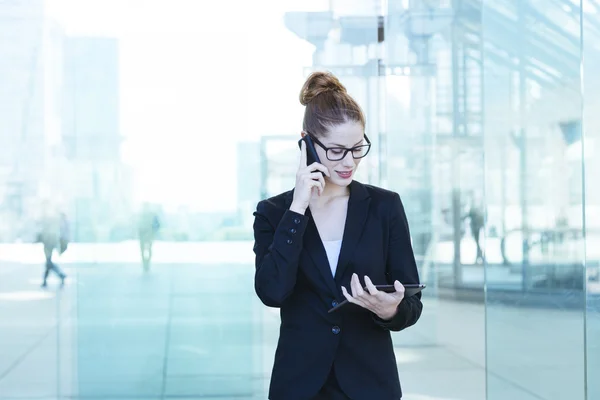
{"type": "Point", "coordinates": [197, 331]}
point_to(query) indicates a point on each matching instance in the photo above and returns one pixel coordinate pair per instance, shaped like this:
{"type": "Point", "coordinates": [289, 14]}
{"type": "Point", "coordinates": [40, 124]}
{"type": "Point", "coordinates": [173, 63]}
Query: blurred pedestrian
{"type": "Point", "coordinates": [476, 216]}
{"type": "Point", "coordinates": [54, 235]}
{"type": "Point", "coordinates": [148, 227]}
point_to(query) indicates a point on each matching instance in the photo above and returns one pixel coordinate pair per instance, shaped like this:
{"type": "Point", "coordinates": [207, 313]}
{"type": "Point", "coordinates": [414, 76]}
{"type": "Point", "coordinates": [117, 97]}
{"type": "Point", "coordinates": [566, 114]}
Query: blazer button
{"type": "Point", "coordinates": [335, 330]}
{"type": "Point", "coordinates": [334, 303]}
{"type": "Point", "coordinates": [289, 241]}
{"type": "Point", "coordinates": [292, 231]}
{"type": "Point", "coordinates": [296, 220]}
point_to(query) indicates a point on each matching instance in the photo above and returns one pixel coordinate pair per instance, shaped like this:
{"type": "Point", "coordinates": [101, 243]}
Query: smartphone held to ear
{"type": "Point", "coordinates": [311, 151]}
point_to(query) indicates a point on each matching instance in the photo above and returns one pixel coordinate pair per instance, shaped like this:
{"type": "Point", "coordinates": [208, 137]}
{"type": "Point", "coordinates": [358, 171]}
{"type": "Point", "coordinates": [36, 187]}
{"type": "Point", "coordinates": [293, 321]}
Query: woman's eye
{"type": "Point", "coordinates": [337, 151]}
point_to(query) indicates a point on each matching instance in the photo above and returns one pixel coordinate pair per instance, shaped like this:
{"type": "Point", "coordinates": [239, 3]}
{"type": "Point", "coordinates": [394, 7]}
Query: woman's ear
{"type": "Point", "coordinates": [302, 133]}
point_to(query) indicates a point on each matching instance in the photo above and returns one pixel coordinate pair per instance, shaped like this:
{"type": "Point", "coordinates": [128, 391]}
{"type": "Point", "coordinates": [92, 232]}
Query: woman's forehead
{"type": "Point", "coordinates": [346, 134]}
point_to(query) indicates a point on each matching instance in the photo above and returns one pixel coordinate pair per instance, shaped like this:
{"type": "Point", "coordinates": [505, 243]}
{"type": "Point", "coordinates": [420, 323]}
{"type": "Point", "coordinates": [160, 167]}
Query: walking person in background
{"type": "Point", "coordinates": [476, 216]}
{"type": "Point", "coordinates": [54, 235]}
{"type": "Point", "coordinates": [148, 226]}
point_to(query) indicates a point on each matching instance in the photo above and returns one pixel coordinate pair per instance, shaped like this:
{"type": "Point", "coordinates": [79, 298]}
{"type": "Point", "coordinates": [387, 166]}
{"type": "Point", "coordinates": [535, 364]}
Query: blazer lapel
{"type": "Point", "coordinates": [315, 249]}
{"type": "Point", "coordinates": [358, 211]}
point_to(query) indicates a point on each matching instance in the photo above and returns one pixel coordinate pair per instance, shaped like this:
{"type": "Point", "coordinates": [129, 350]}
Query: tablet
{"type": "Point", "coordinates": [410, 289]}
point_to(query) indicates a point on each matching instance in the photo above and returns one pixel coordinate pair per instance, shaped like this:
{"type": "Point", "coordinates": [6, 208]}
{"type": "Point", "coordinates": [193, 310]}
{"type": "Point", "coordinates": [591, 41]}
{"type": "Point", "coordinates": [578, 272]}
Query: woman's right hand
{"type": "Point", "coordinates": [308, 178]}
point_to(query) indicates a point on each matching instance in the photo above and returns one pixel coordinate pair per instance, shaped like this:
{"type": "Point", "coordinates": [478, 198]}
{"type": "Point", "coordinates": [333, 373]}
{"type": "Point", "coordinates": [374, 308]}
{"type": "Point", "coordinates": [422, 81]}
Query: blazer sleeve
{"type": "Point", "coordinates": [401, 266]}
{"type": "Point", "coordinates": [277, 249]}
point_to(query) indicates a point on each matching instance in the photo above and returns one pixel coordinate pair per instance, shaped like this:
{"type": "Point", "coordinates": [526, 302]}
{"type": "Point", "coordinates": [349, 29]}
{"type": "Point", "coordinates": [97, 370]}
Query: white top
{"type": "Point", "coordinates": [332, 248]}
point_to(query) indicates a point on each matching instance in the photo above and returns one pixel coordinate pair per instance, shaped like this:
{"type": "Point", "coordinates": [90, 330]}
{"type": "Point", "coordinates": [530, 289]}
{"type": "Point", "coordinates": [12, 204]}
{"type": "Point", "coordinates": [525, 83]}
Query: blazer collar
{"type": "Point", "coordinates": [358, 210]}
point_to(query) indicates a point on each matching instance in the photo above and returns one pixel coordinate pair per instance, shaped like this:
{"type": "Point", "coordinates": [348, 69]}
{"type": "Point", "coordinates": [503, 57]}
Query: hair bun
{"type": "Point", "coordinates": [318, 83]}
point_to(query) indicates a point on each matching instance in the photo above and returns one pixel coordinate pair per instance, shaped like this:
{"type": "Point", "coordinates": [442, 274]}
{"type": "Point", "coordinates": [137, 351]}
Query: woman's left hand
{"type": "Point", "coordinates": [383, 304]}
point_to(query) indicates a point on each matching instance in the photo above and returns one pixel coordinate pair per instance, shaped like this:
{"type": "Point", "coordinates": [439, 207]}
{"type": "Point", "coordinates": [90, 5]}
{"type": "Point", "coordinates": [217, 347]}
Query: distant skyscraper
{"type": "Point", "coordinates": [101, 189]}
{"type": "Point", "coordinates": [25, 95]}
{"type": "Point", "coordinates": [91, 98]}
{"type": "Point", "coordinates": [21, 77]}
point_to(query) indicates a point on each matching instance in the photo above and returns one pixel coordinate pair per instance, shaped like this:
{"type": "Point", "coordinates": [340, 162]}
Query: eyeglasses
{"type": "Point", "coordinates": [339, 153]}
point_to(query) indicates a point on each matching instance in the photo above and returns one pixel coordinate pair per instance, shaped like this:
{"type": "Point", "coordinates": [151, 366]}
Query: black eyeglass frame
{"type": "Point", "coordinates": [345, 149]}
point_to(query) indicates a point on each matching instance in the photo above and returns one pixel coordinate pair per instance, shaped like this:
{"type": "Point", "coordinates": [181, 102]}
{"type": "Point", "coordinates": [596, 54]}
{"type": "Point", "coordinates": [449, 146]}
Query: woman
{"type": "Point", "coordinates": [322, 243]}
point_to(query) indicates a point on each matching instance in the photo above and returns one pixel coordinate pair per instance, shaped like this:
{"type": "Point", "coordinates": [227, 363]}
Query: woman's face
{"type": "Point", "coordinates": [346, 135]}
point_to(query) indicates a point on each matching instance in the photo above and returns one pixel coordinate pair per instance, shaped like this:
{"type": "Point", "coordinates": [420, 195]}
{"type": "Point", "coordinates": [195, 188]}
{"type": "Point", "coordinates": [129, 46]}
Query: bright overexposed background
{"type": "Point", "coordinates": [196, 78]}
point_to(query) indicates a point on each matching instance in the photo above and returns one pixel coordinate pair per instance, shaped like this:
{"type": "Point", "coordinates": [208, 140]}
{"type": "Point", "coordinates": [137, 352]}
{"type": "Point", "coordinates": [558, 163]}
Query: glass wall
{"type": "Point", "coordinates": [534, 191]}
{"type": "Point", "coordinates": [156, 130]}
{"type": "Point", "coordinates": [590, 20]}
{"type": "Point", "coordinates": [434, 161]}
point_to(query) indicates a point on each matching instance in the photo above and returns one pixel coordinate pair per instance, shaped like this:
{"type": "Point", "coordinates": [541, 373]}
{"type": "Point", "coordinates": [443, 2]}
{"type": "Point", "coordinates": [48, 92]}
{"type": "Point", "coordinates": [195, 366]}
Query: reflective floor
{"type": "Point", "coordinates": [197, 331]}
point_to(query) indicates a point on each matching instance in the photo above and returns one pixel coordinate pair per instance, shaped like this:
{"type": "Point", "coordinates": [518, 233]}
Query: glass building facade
{"type": "Point", "coordinates": [483, 117]}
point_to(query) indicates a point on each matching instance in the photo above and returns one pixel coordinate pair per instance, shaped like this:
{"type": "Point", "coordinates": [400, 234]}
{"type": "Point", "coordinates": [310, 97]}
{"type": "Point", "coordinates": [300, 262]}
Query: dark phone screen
{"type": "Point", "coordinates": [311, 152]}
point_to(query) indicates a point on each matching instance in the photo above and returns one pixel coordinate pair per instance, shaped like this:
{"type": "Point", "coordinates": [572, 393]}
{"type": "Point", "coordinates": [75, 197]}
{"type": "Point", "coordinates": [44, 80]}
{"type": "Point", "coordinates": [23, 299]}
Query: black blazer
{"type": "Point", "coordinates": [292, 273]}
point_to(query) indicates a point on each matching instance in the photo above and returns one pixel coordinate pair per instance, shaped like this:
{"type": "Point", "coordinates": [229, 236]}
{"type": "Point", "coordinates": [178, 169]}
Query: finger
{"type": "Point", "coordinates": [399, 293]}
{"type": "Point", "coordinates": [357, 290]}
{"type": "Point", "coordinates": [397, 296]}
{"type": "Point", "coordinates": [316, 176]}
{"type": "Point", "coordinates": [352, 299]}
{"type": "Point", "coordinates": [319, 167]}
{"type": "Point", "coordinates": [322, 180]}
{"type": "Point", "coordinates": [316, 189]}
{"type": "Point", "coordinates": [303, 154]}
{"type": "Point", "coordinates": [316, 184]}
{"type": "Point", "coordinates": [348, 296]}
{"type": "Point", "coordinates": [374, 296]}
{"type": "Point", "coordinates": [399, 287]}
{"type": "Point", "coordinates": [370, 287]}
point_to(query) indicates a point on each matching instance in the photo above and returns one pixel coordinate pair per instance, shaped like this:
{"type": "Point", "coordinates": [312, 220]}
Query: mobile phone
{"type": "Point", "coordinates": [410, 289]}
{"type": "Point", "coordinates": [311, 151]}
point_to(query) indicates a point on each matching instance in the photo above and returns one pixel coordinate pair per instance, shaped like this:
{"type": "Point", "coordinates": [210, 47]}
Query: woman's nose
{"type": "Point", "coordinates": [348, 161]}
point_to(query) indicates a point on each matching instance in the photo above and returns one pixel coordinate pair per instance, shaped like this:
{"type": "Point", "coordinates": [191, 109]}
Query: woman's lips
{"type": "Point", "coordinates": [344, 174]}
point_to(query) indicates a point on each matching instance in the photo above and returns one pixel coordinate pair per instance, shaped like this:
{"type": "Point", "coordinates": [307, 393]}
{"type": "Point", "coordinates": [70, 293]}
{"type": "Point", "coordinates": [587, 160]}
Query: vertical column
{"type": "Point", "coordinates": [455, 166]}
{"type": "Point", "coordinates": [522, 104]}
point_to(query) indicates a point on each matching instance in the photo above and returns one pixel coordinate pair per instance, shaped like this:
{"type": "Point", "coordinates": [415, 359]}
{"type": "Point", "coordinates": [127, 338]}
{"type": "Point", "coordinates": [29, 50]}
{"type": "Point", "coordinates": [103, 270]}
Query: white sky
{"type": "Point", "coordinates": [196, 77]}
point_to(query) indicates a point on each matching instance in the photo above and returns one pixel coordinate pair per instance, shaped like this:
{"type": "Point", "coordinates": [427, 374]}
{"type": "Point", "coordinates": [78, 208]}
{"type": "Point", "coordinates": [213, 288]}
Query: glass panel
{"type": "Point", "coordinates": [433, 158]}
{"type": "Point", "coordinates": [34, 361]}
{"type": "Point", "coordinates": [534, 199]}
{"type": "Point", "coordinates": [591, 128]}
{"type": "Point", "coordinates": [102, 111]}
{"type": "Point", "coordinates": [163, 180]}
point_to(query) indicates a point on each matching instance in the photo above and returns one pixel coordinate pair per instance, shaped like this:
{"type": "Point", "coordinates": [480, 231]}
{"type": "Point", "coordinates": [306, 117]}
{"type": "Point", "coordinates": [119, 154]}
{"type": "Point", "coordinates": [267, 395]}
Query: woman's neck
{"type": "Point", "coordinates": [331, 192]}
